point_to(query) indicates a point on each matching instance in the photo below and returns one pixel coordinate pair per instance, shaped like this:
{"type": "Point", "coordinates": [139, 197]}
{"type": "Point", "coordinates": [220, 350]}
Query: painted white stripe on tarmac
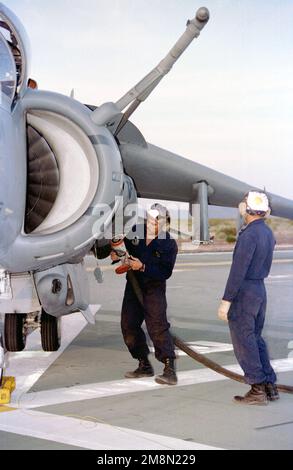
{"type": "Point", "coordinates": [218, 263]}
{"type": "Point", "coordinates": [223, 253]}
{"type": "Point", "coordinates": [125, 386]}
{"type": "Point", "coordinates": [194, 326]}
{"type": "Point", "coordinates": [203, 264]}
{"type": "Point", "coordinates": [29, 366]}
{"type": "Point", "coordinates": [280, 277]}
{"type": "Point", "coordinates": [208, 253]}
{"type": "Point", "coordinates": [87, 434]}
{"type": "Point", "coordinates": [203, 347]}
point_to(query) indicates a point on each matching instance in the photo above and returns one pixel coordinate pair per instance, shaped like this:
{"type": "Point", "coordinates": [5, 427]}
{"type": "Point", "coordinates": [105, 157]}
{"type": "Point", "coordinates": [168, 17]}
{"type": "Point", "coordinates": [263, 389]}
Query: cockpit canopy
{"type": "Point", "coordinates": [13, 57]}
{"type": "Point", "coordinates": [8, 74]}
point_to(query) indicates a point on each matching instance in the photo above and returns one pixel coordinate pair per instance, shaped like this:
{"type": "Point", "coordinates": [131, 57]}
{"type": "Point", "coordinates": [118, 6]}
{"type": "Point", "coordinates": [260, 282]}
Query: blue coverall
{"type": "Point", "coordinates": [245, 288]}
{"type": "Point", "coordinates": [159, 259]}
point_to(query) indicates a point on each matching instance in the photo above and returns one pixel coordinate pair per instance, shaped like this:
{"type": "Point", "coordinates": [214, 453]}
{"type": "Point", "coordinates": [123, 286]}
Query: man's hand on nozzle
{"type": "Point", "coordinates": [224, 310]}
{"type": "Point", "coordinates": [135, 264]}
{"type": "Point", "coordinates": [114, 256]}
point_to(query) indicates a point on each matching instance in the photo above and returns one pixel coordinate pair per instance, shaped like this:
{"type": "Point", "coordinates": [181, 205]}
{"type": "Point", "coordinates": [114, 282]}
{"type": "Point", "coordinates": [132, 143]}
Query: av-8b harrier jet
{"type": "Point", "coordinates": [66, 171]}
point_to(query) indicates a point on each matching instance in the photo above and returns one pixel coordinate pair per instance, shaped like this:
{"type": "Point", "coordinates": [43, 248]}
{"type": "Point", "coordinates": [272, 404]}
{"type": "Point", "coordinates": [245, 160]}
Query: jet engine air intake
{"type": "Point", "coordinates": [43, 180]}
{"type": "Point", "coordinates": [61, 158]}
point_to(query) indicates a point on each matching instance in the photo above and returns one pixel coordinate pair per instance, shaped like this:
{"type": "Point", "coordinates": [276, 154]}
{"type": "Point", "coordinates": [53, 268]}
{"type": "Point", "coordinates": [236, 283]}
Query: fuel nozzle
{"type": "Point", "coordinates": [119, 248]}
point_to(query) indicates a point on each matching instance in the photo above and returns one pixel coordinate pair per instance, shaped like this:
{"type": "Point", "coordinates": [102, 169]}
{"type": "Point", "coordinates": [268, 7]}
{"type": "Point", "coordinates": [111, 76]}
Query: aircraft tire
{"type": "Point", "coordinates": [14, 336]}
{"type": "Point", "coordinates": [50, 332]}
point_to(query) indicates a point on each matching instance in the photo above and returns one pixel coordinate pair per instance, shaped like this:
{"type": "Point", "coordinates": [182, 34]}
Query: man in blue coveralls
{"type": "Point", "coordinates": [153, 254]}
{"type": "Point", "coordinates": [244, 301]}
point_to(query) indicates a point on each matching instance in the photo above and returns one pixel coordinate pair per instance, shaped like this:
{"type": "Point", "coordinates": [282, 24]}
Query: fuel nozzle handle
{"type": "Point", "coordinates": [118, 246]}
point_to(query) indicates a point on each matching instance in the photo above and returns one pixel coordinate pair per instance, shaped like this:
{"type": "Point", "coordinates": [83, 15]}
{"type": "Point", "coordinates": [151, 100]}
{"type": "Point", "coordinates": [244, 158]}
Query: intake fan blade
{"type": "Point", "coordinates": [43, 180]}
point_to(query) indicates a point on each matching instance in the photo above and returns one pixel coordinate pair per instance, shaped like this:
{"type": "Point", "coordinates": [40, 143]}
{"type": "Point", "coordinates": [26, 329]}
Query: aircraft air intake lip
{"type": "Point", "coordinates": [57, 255]}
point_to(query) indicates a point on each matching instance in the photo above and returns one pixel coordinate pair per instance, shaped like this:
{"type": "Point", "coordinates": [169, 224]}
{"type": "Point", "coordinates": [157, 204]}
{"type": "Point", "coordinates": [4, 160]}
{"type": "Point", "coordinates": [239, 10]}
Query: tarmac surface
{"type": "Point", "coordinates": [78, 398]}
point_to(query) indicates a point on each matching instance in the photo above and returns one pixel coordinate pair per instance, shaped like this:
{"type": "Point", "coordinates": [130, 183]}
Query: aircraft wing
{"type": "Point", "coordinates": [160, 174]}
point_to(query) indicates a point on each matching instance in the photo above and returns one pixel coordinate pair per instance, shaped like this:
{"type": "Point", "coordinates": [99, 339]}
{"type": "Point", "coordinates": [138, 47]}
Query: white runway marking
{"type": "Point", "coordinates": [221, 253]}
{"type": "Point", "coordinates": [204, 347]}
{"type": "Point", "coordinates": [125, 386]}
{"type": "Point", "coordinates": [108, 317]}
{"type": "Point", "coordinates": [194, 326]}
{"type": "Point", "coordinates": [282, 261]}
{"type": "Point", "coordinates": [183, 267]}
{"type": "Point", "coordinates": [29, 366]}
{"type": "Point", "coordinates": [202, 264]}
{"type": "Point", "coordinates": [88, 434]}
{"type": "Point", "coordinates": [281, 276]}
{"type": "Point", "coordinates": [208, 253]}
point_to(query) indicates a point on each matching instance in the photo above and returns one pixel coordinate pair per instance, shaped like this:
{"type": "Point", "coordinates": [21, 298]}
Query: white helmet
{"type": "Point", "coordinates": [160, 212]}
{"type": "Point", "coordinates": [255, 203]}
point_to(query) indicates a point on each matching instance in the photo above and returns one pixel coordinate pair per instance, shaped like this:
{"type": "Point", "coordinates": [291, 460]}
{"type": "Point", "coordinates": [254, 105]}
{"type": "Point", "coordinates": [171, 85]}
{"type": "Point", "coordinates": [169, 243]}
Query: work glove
{"type": "Point", "coordinates": [224, 310]}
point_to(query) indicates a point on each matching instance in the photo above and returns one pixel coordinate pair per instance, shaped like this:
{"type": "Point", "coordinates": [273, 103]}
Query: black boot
{"type": "Point", "coordinates": [169, 376]}
{"type": "Point", "coordinates": [144, 369]}
{"type": "Point", "coordinates": [272, 392]}
{"type": "Point", "coordinates": [256, 396]}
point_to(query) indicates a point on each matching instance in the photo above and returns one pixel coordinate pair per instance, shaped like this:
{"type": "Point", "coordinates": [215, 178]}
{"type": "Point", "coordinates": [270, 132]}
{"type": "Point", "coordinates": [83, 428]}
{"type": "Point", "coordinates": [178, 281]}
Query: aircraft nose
{"type": "Point", "coordinates": [12, 181]}
{"type": "Point", "coordinates": [4, 224]}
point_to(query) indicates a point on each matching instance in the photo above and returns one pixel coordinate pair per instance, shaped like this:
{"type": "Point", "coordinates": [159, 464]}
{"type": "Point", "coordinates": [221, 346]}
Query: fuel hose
{"type": "Point", "coordinates": [195, 355]}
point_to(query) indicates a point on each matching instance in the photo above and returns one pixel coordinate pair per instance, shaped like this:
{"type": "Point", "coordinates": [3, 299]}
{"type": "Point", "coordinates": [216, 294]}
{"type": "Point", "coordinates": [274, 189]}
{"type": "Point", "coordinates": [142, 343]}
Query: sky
{"type": "Point", "coordinates": [227, 103]}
